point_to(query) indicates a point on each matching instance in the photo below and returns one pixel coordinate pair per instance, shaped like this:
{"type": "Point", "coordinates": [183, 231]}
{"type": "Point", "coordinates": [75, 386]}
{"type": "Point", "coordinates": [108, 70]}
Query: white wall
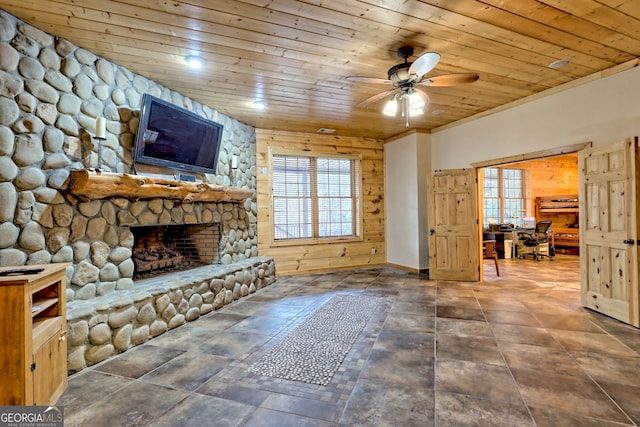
{"type": "Point", "coordinates": [407, 166]}
{"type": "Point", "coordinates": [603, 111]}
{"type": "Point", "coordinates": [423, 158]}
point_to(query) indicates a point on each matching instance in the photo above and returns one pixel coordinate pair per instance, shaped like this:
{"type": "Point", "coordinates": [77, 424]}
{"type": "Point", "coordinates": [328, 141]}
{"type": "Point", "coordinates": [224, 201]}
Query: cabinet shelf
{"type": "Point", "coordinates": [39, 306]}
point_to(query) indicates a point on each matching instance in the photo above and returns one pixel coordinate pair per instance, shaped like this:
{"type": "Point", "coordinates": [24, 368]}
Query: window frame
{"type": "Point", "coordinates": [356, 179]}
{"type": "Point", "coordinates": [524, 189]}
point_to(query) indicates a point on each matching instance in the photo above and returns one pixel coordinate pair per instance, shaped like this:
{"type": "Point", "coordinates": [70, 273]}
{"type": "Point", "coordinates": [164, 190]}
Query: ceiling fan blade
{"type": "Point", "coordinates": [373, 80]}
{"type": "Point", "coordinates": [377, 97]}
{"type": "Point", "coordinates": [450, 79]}
{"type": "Point", "coordinates": [425, 63]}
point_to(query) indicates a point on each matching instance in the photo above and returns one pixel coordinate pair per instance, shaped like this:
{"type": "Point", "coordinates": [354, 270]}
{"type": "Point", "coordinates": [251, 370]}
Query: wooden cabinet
{"type": "Point", "coordinates": [33, 348]}
{"type": "Point", "coordinates": [562, 210]}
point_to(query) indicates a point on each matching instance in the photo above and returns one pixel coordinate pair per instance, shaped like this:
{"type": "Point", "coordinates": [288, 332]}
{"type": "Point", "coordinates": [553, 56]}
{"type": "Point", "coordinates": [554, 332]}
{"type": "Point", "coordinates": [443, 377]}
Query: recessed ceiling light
{"type": "Point", "coordinates": [559, 63]}
{"type": "Point", "coordinates": [194, 61]}
{"type": "Point", "coordinates": [259, 105]}
{"type": "Point", "coordinates": [437, 112]}
{"type": "Point", "coordinates": [326, 130]}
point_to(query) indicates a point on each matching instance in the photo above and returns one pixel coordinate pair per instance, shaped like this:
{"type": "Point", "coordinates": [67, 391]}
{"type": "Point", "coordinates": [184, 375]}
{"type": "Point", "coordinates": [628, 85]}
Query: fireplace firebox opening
{"type": "Point", "coordinates": [168, 248]}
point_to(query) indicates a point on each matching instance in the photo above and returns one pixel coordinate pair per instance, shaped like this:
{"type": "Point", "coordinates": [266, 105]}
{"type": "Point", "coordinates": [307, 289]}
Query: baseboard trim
{"type": "Point", "coordinates": [404, 267]}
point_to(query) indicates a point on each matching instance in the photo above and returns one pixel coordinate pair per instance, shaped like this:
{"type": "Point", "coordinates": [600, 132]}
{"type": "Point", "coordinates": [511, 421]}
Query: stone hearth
{"type": "Point", "coordinates": [104, 326]}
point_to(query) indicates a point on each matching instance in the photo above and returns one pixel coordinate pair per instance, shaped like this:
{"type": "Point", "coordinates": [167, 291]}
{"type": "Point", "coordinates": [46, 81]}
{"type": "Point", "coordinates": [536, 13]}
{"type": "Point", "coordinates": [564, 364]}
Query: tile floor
{"type": "Point", "coordinates": [514, 350]}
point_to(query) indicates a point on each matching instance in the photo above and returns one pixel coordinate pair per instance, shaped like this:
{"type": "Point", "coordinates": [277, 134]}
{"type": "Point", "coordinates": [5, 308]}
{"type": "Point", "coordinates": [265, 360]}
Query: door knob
{"type": "Point", "coordinates": [629, 241]}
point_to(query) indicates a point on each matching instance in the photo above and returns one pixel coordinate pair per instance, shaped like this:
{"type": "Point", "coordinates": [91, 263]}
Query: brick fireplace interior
{"type": "Point", "coordinates": [168, 248]}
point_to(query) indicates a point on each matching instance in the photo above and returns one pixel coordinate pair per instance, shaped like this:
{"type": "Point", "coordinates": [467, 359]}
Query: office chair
{"type": "Point", "coordinates": [536, 239]}
{"type": "Point", "coordinates": [489, 252]}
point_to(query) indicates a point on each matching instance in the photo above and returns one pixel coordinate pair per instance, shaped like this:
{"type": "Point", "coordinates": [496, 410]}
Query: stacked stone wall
{"type": "Point", "coordinates": [51, 93]}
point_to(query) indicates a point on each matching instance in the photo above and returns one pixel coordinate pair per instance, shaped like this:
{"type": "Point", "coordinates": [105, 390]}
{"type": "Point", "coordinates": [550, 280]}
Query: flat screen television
{"type": "Point", "coordinates": [173, 137]}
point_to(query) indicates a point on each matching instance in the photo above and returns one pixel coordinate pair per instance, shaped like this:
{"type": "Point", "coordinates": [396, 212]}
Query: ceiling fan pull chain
{"type": "Point", "coordinates": [405, 108]}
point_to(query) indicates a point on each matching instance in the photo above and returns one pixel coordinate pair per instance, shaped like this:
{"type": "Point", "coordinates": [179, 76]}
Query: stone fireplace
{"type": "Point", "coordinates": [130, 228]}
{"type": "Point", "coordinates": [122, 219]}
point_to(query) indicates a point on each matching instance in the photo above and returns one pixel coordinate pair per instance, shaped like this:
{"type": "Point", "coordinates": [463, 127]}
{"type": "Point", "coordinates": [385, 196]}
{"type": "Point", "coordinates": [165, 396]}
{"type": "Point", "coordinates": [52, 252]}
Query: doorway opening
{"type": "Point", "coordinates": [516, 192]}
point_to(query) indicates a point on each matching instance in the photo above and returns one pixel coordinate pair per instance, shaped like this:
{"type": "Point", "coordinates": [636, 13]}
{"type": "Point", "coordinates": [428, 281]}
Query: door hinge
{"type": "Point", "coordinates": [33, 366]}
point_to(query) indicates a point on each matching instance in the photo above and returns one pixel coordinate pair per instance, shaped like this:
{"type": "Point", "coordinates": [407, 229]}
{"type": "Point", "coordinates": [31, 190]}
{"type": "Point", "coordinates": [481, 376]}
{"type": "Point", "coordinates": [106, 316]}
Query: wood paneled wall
{"type": "Point", "coordinates": [318, 257]}
{"type": "Point", "coordinates": [552, 176]}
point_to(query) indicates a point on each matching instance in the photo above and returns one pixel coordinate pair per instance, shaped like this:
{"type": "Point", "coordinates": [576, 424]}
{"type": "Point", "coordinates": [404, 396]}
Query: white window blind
{"type": "Point", "coordinates": [315, 197]}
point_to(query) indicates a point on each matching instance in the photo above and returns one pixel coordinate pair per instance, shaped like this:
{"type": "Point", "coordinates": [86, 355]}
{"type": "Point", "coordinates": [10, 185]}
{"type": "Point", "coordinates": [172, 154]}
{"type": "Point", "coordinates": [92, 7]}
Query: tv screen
{"type": "Point", "coordinates": [173, 137]}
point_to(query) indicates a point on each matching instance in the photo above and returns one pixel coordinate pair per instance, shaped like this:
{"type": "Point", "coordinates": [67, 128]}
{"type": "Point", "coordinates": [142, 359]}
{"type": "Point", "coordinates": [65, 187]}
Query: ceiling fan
{"type": "Point", "coordinates": [405, 77]}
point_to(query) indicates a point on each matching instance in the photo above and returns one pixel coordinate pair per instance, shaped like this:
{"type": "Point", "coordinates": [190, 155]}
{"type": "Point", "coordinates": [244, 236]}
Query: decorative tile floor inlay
{"type": "Point", "coordinates": [313, 352]}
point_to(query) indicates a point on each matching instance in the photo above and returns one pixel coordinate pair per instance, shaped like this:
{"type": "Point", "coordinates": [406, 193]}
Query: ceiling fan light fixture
{"type": "Point", "coordinates": [415, 104]}
{"type": "Point", "coordinates": [413, 112]}
{"type": "Point", "coordinates": [416, 101]}
{"type": "Point", "coordinates": [391, 107]}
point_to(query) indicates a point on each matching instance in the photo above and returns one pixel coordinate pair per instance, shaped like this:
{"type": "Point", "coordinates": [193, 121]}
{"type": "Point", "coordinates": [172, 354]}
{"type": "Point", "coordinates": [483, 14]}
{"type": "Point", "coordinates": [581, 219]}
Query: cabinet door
{"type": "Point", "coordinates": [50, 373]}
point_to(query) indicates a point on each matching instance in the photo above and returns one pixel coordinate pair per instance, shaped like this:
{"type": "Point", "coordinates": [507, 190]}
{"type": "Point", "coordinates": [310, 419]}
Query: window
{"type": "Point", "coordinates": [315, 197]}
{"type": "Point", "coordinates": [504, 196]}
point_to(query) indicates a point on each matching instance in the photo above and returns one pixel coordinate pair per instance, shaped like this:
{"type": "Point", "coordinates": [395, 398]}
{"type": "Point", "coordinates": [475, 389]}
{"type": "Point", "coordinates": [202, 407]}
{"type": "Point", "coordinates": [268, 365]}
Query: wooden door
{"type": "Point", "coordinates": [453, 227]}
{"type": "Point", "coordinates": [609, 230]}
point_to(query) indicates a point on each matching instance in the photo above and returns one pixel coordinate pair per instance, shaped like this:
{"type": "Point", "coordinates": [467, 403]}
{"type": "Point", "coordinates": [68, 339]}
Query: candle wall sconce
{"type": "Point", "coordinates": [233, 168]}
{"type": "Point", "coordinates": [101, 135]}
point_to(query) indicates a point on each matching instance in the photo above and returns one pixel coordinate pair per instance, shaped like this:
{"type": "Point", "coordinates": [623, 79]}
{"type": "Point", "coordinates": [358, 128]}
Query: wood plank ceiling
{"type": "Point", "coordinates": [295, 55]}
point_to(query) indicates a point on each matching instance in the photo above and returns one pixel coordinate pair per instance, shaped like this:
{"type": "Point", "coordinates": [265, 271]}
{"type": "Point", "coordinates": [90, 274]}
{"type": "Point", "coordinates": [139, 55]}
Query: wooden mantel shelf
{"type": "Point", "coordinates": [91, 185]}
